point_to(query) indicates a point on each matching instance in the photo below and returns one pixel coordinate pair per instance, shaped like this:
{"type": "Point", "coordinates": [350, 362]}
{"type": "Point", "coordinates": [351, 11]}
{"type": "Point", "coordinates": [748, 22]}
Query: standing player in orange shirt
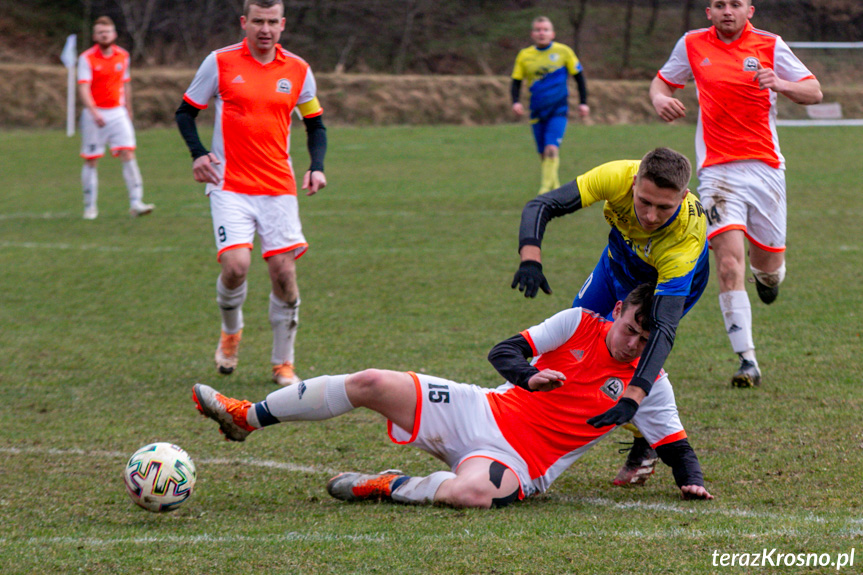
{"type": "Point", "coordinates": [500, 444]}
{"type": "Point", "coordinates": [250, 180]}
{"type": "Point", "coordinates": [103, 84]}
{"type": "Point", "coordinates": [738, 70]}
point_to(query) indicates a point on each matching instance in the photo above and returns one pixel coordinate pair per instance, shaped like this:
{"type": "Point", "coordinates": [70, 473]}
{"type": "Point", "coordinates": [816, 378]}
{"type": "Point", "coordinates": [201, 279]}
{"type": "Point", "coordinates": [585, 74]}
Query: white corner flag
{"type": "Point", "coordinates": [70, 58]}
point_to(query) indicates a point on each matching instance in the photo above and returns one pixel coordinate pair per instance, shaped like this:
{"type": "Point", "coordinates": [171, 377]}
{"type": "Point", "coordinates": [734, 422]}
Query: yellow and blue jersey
{"type": "Point", "coordinates": [674, 256]}
{"type": "Point", "coordinates": [546, 71]}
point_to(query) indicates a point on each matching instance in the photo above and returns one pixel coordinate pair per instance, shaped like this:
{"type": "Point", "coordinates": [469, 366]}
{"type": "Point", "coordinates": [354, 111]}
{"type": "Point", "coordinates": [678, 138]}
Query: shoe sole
{"type": "Point", "coordinates": [226, 429]}
{"type": "Point", "coordinates": [744, 381]}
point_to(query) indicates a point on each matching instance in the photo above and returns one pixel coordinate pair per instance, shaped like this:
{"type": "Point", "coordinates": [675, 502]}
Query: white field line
{"type": "Point", "coordinates": [88, 247]}
{"type": "Point", "coordinates": [703, 509]}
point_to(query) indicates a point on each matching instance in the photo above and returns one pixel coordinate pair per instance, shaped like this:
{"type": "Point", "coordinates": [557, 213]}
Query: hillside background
{"type": "Point", "coordinates": [401, 61]}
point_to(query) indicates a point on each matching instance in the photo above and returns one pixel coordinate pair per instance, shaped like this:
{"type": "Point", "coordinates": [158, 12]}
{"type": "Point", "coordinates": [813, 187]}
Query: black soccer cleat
{"type": "Point", "coordinates": [767, 294]}
{"type": "Point", "coordinates": [748, 375]}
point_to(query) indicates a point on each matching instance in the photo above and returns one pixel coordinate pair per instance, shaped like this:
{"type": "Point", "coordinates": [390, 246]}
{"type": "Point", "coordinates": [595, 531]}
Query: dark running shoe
{"type": "Point", "coordinates": [639, 465]}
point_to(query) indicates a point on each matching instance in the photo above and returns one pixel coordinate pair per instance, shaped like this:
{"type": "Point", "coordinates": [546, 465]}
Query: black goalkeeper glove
{"type": "Point", "coordinates": [529, 279]}
{"type": "Point", "coordinates": [620, 413]}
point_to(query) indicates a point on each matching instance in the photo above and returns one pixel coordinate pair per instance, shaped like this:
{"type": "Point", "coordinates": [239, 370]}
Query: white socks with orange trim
{"type": "Point", "coordinates": [737, 314]}
{"type": "Point", "coordinates": [90, 185]}
{"type": "Point", "coordinates": [231, 305]}
{"type": "Point", "coordinates": [417, 490]}
{"type": "Point", "coordinates": [314, 399]}
{"type": "Point", "coordinates": [134, 183]}
{"type": "Point", "coordinates": [284, 318]}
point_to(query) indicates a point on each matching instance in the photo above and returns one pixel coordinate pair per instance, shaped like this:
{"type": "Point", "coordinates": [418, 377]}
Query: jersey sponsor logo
{"type": "Point", "coordinates": [750, 64]}
{"type": "Point", "coordinates": [238, 80]}
{"type": "Point", "coordinates": [578, 354]}
{"type": "Point", "coordinates": [613, 388]}
{"type": "Point", "coordinates": [284, 86]}
{"type": "Point", "coordinates": [705, 62]}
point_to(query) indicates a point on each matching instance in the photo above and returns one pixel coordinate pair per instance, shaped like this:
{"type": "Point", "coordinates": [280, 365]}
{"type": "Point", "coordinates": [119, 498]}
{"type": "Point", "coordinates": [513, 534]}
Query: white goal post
{"type": "Point", "coordinates": [826, 114]}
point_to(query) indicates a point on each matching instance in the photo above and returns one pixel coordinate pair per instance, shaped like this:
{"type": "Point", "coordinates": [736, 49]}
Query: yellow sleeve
{"type": "Point", "coordinates": [311, 108]}
{"type": "Point", "coordinates": [608, 182]}
{"type": "Point", "coordinates": [571, 62]}
{"type": "Point", "coordinates": [518, 68]}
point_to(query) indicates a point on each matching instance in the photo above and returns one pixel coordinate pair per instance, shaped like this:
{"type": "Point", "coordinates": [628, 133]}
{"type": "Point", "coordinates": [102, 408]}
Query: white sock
{"type": "Point", "coordinates": [770, 279]}
{"type": "Point", "coordinates": [90, 184]}
{"type": "Point", "coordinates": [134, 183]}
{"type": "Point", "coordinates": [284, 318]}
{"type": "Point", "coordinates": [418, 490]}
{"type": "Point", "coordinates": [314, 399]}
{"type": "Point", "coordinates": [737, 313]}
{"type": "Point", "coordinates": [231, 305]}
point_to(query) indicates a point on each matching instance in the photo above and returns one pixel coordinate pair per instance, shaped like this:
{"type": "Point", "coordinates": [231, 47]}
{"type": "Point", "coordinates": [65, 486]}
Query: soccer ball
{"type": "Point", "coordinates": [160, 476]}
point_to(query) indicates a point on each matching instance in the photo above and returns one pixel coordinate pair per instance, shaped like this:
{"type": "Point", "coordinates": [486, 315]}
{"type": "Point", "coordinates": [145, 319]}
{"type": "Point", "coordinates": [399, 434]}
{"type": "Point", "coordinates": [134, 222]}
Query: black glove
{"type": "Point", "coordinates": [620, 413]}
{"type": "Point", "coordinates": [529, 278]}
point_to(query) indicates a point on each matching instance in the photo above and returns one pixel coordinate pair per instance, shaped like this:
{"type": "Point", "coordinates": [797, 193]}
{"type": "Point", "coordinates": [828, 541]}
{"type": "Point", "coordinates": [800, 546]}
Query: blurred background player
{"type": "Point", "coordinates": [105, 90]}
{"type": "Point", "coordinates": [547, 66]}
{"type": "Point", "coordinates": [500, 444]}
{"type": "Point", "coordinates": [658, 236]}
{"type": "Point", "coordinates": [249, 175]}
{"type": "Point", "coordinates": [738, 70]}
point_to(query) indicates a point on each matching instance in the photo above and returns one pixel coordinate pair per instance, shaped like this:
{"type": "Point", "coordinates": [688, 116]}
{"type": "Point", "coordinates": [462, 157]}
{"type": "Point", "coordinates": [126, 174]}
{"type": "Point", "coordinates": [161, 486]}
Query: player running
{"type": "Point", "coordinates": [738, 71]}
{"type": "Point", "coordinates": [105, 90]}
{"type": "Point", "coordinates": [658, 235]}
{"type": "Point", "coordinates": [546, 67]}
{"type": "Point", "coordinates": [501, 444]}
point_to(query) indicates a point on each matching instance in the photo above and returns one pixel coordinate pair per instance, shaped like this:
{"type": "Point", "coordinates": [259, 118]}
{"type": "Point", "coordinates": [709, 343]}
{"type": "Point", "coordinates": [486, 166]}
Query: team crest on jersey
{"type": "Point", "coordinates": [613, 388]}
{"type": "Point", "coordinates": [118, 67]}
{"type": "Point", "coordinates": [750, 64]}
{"type": "Point", "coordinates": [578, 354]}
{"type": "Point", "coordinates": [284, 86]}
{"type": "Point", "coordinates": [553, 57]}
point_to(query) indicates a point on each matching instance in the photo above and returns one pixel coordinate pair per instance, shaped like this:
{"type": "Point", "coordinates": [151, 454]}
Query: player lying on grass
{"type": "Point", "coordinates": [502, 444]}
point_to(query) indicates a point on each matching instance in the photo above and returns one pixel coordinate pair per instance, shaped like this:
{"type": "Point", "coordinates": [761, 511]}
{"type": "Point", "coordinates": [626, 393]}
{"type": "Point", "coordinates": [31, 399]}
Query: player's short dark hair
{"type": "Point", "coordinates": [262, 4]}
{"type": "Point", "coordinates": [666, 168]}
{"type": "Point", "coordinates": [642, 298]}
{"type": "Point", "coordinates": [104, 21]}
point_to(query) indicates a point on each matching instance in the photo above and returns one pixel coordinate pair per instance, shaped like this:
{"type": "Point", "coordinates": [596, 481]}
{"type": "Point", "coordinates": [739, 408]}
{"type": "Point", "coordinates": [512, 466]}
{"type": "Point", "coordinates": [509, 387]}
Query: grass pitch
{"type": "Point", "coordinates": [106, 325]}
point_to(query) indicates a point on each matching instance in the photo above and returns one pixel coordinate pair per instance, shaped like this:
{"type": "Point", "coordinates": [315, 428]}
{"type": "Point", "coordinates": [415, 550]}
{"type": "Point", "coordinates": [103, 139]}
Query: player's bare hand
{"type": "Point", "coordinates": [694, 492]}
{"type": "Point", "coordinates": [546, 380]}
{"type": "Point", "coordinates": [314, 182]}
{"type": "Point", "coordinates": [97, 117]}
{"type": "Point", "coordinates": [767, 79]}
{"type": "Point", "coordinates": [668, 108]}
{"type": "Point", "coordinates": [583, 110]}
{"type": "Point", "coordinates": [204, 169]}
{"type": "Point", "coordinates": [518, 109]}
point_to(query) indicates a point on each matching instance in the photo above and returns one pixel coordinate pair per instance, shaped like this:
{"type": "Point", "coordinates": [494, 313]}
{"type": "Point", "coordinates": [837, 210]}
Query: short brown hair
{"type": "Point", "coordinates": [642, 298]}
{"type": "Point", "coordinates": [666, 168]}
{"type": "Point", "coordinates": [262, 4]}
{"type": "Point", "coordinates": [104, 21]}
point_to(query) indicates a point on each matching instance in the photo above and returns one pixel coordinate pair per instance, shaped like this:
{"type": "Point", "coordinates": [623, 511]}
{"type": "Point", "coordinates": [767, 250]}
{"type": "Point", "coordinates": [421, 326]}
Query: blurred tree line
{"type": "Point", "coordinates": [614, 38]}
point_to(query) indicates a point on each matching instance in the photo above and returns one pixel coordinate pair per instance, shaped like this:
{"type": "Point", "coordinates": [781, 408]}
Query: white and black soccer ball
{"type": "Point", "coordinates": [160, 476]}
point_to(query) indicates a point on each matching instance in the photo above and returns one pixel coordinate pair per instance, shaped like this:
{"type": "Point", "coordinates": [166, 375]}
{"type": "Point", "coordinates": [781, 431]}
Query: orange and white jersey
{"type": "Point", "coordinates": [107, 75]}
{"type": "Point", "coordinates": [736, 119]}
{"type": "Point", "coordinates": [254, 103]}
{"type": "Point", "coordinates": [549, 429]}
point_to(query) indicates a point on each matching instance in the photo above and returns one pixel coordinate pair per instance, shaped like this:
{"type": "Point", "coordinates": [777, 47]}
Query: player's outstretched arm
{"type": "Point", "coordinates": [685, 467]}
{"type": "Point", "coordinates": [509, 358]}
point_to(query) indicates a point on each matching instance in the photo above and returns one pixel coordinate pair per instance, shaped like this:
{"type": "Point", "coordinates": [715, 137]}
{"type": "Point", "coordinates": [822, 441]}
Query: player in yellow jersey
{"type": "Point", "coordinates": [546, 67]}
{"type": "Point", "coordinates": [658, 236]}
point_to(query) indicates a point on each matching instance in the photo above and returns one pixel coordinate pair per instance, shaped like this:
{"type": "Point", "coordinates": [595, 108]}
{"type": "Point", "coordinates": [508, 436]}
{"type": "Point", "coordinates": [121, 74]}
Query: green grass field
{"type": "Point", "coordinates": [106, 325]}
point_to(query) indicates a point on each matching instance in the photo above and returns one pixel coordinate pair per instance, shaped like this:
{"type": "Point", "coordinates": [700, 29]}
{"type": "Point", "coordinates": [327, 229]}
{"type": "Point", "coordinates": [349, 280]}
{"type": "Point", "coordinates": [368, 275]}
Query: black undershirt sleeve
{"type": "Point", "coordinates": [681, 458]}
{"type": "Point", "coordinates": [509, 358]}
{"type": "Point", "coordinates": [316, 135]}
{"type": "Point", "coordinates": [540, 210]}
{"type": "Point", "coordinates": [185, 118]}
{"type": "Point", "coordinates": [515, 90]}
{"type": "Point", "coordinates": [667, 311]}
{"type": "Point", "coordinates": [582, 87]}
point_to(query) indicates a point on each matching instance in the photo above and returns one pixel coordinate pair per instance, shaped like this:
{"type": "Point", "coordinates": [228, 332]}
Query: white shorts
{"type": "Point", "coordinates": [747, 196]}
{"type": "Point", "coordinates": [276, 219]}
{"type": "Point", "coordinates": [117, 132]}
{"type": "Point", "coordinates": [454, 422]}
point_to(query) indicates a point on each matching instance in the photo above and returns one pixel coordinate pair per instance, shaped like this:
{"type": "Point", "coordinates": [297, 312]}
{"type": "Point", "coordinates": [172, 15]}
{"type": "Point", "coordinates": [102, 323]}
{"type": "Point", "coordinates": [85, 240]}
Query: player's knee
{"type": "Point", "coordinates": [469, 494]}
{"type": "Point", "coordinates": [368, 383]}
{"type": "Point", "coordinates": [770, 279]}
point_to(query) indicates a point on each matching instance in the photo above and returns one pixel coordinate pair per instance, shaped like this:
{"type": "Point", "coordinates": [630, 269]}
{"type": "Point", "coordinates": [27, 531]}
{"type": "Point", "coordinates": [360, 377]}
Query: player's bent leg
{"type": "Point", "coordinates": [231, 414]}
{"type": "Point", "coordinates": [640, 461]}
{"type": "Point", "coordinates": [231, 289]}
{"type": "Point", "coordinates": [480, 482]}
{"type": "Point", "coordinates": [393, 394]}
{"type": "Point", "coordinates": [768, 268]}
